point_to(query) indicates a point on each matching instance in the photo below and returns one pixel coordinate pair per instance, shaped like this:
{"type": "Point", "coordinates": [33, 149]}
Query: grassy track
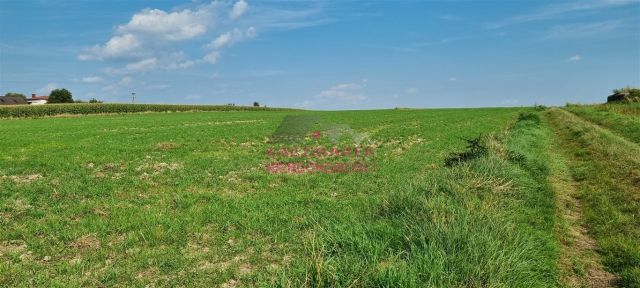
{"type": "Point", "coordinates": [606, 168]}
{"type": "Point", "coordinates": [623, 120]}
{"type": "Point", "coordinates": [182, 199]}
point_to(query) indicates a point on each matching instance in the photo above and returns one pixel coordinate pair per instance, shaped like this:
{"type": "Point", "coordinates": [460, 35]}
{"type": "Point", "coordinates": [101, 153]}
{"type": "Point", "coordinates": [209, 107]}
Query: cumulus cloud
{"type": "Point", "coordinates": [212, 57]}
{"type": "Point", "coordinates": [576, 57]}
{"type": "Point", "coordinates": [239, 8]}
{"type": "Point", "coordinates": [142, 65]}
{"type": "Point", "coordinates": [91, 79]}
{"type": "Point", "coordinates": [174, 26]}
{"type": "Point", "coordinates": [346, 91]}
{"type": "Point", "coordinates": [231, 37]}
{"type": "Point", "coordinates": [340, 95]}
{"type": "Point", "coordinates": [226, 39]}
{"type": "Point", "coordinates": [119, 46]}
{"type": "Point", "coordinates": [152, 38]}
{"type": "Point", "coordinates": [142, 35]}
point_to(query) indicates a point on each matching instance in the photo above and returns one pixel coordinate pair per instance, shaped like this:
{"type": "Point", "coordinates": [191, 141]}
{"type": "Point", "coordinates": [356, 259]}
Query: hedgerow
{"type": "Point", "coordinates": [99, 108]}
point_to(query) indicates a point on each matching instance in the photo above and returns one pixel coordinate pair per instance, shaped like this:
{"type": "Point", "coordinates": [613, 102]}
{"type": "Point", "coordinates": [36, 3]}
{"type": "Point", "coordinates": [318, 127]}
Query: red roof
{"type": "Point", "coordinates": [34, 97]}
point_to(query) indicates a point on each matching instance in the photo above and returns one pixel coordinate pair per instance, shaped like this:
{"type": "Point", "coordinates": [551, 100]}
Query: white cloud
{"type": "Point", "coordinates": [453, 79]}
{"type": "Point", "coordinates": [231, 37]}
{"type": "Point", "coordinates": [156, 86]}
{"type": "Point", "coordinates": [239, 8]}
{"type": "Point", "coordinates": [576, 57]}
{"type": "Point", "coordinates": [47, 88]}
{"type": "Point", "coordinates": [221, 40]}
{"type": "Point", "coordinates": [151, 38]}
{"type": "Point", "coordinates": [212, 57]}
{"type": "Point", "coordinates": [126, 81]}
{"type": "Point", "coordinates": [142, 65]}
{"type": "Point", "coordinates": [182, 65]}
{"type": "Point", "coordinates": [91, 79]}
{"type": "Point", "coordinates": [347, 92]}
{"type": "Point", "coordinates": [140, 37]}
{"type": "Point", "coordinates": [120, 46]}
{"type": "Point", "coordinates": [173, 26]}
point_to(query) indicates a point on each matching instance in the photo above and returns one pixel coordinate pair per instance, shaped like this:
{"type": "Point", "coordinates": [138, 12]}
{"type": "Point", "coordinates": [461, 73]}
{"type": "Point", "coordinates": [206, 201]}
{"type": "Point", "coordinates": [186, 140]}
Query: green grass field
{"type": "Point", "coordinates": [184, 199]}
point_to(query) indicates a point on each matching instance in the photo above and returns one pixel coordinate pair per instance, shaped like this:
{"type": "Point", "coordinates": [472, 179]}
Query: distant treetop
{"type": "Point", "coordinates": [60, 96]}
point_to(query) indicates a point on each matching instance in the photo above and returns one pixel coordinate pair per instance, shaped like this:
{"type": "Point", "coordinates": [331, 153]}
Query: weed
{"type": "Point", "coordinates": [475, 149]}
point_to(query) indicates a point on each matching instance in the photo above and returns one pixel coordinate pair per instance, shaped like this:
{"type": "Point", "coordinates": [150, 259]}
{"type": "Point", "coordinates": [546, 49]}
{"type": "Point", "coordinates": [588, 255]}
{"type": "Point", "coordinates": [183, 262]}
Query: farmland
{"type": "Point", "coordinates": [184, 199]}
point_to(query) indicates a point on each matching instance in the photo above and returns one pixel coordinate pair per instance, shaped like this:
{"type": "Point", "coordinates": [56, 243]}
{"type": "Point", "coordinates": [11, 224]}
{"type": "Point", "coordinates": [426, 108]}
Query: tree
{"type": "Point", "coordinates": [11, 94]}
{"type": "Point", "coordinates": [60, 96]}
{"type": "Point", "coordinates": [94, 100]}
{"type": "Point", "coordinates": [256, 104]}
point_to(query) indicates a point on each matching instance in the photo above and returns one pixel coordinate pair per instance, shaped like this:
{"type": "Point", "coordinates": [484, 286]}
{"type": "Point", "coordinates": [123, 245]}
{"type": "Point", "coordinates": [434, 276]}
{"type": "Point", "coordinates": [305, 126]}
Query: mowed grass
{"type": "Point", "coordinates": [183, 199]}
{"type": "Point", "coordinates": [622, 119]}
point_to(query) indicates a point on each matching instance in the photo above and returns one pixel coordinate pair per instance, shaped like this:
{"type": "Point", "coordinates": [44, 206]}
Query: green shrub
{"type": "Point", "coordinates": [60, 96]}
{"type": "Point", "coordinates": [540, 107]}
{"type": "Point", "coordinates": [624, 95]}
{"type": "Point", "coordinates": [475, 149]}
{"type": "Point", "coordinates": [528, 116]}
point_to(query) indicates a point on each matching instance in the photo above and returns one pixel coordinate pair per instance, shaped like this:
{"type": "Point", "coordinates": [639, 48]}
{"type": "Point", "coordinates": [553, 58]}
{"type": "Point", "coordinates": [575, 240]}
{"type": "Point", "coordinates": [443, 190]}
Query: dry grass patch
{"type": "Point", "coordinates": [166, 145]}
{"type": "Point", "coordinates": [85, 243]}
{"type": "Point", "coordinates": [12, 247]}
{"type": "Point", "coordinates": [24, 179]}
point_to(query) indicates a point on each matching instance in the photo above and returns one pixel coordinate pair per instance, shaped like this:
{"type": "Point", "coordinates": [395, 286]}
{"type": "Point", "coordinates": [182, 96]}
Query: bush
{"type": "Point", "coordinates": [624, 95]}
{"type": "Point", "coordinates": [60, 96]}
{"type": "Point", "coordinates": [540, 107]}
{"type": "Point", "coordinates": [475, 149]}
{"type": "Point", "coordinates": [528, 116]}
{"type": "Point", "coordinates": [96, 108]}
{"type": "Point", "coordinates": [256, 104]}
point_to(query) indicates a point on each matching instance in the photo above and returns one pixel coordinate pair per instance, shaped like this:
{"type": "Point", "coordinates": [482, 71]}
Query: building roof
{"type": "Point", "coordinates": [34, 97]}
{"type": "Point", "coordinates": [8, 100]}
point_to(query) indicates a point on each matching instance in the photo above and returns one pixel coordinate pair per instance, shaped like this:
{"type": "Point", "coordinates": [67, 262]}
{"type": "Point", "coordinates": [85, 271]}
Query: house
{"type": "Point", "coordinates": [10, 100]}
{"type": "Point", "coordinates": [37, 100]}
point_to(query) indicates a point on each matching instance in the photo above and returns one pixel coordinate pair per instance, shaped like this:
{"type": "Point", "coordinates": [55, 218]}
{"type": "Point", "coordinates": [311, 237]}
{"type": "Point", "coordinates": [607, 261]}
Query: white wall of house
{"type": "Point", "coordinates": [37, 102]}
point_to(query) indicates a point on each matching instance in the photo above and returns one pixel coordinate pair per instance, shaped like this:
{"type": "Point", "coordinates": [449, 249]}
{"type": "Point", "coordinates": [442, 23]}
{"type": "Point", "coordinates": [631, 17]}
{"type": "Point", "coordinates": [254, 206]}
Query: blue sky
{"type": "Point", "coordinates": [322, 54]}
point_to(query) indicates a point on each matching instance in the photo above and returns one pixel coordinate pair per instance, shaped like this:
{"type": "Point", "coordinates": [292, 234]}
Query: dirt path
{"type": "Point", "coordinates": [579, 263]}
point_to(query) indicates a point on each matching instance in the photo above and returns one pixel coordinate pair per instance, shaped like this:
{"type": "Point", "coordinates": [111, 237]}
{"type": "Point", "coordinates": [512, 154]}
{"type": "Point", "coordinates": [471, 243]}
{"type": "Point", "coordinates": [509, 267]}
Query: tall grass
{"type": "Point", "coordinates": [487, 222]}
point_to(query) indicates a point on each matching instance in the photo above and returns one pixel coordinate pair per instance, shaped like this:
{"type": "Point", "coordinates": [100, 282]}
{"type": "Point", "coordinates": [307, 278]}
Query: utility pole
{"type": "Point", "coordinates": [133, 97]}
